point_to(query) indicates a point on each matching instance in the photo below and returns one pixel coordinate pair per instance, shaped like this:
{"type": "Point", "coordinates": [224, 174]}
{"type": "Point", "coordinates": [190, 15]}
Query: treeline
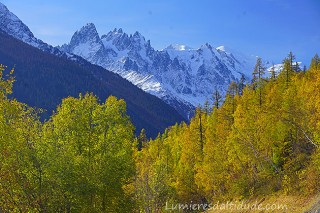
{"type": "Point", "coordinates": [264, 138]}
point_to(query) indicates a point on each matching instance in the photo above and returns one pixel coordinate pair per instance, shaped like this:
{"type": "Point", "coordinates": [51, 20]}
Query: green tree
{"type": "Point", "coordinates": [20, 186]}
{"type": "Point", "coordinates": [91, 145]}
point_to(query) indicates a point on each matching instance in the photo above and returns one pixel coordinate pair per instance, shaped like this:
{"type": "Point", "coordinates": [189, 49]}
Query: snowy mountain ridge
{"type": "Point", "coordinates": [178, 74]}
{"type": "Point", "coordinates": [182, 76]}
{"type": "Point", "coordinates": [13, 26]}
{"type": "Point", "coordinates": [277, 68]}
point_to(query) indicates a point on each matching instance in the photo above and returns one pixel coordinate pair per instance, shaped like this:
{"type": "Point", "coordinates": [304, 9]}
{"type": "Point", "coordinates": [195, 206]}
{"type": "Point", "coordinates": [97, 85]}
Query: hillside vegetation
{"type": "Point", "coordinates": [43, 80]}
{"type": "Point", "coordinates": [263, 140]}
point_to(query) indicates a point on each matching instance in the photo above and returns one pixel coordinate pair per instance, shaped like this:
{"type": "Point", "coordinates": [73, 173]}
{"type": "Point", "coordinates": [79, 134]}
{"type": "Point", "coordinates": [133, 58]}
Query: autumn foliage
{"type": "Point", "coordinates": [263, 139]}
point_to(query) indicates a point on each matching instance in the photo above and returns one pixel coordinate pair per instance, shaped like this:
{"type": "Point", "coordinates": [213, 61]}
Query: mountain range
{"type": "Point", "coordinates": [45, 75]}
{"type": "Point", "coordinates": [182, 76]}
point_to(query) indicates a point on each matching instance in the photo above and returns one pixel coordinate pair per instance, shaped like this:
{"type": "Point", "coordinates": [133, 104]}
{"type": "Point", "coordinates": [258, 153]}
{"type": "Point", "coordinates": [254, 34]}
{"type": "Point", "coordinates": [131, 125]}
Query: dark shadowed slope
{"type": "Point", "coordinates": [43, 80]}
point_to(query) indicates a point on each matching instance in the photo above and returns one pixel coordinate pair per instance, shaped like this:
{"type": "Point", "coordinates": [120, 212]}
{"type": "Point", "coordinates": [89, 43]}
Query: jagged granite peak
{"type": "Point", "coordinates": [87, 44]}
{"type": "Point", "coordinates": [86, 33]}
{"type": "Point", "coordinates": [120, 30]}
{"type": "Point", "coordinates": [182, 76]}
{"type": "Point", "coordinates": [138, 35]}
{"type": "Point", "coordinates": [115, 30]}
{"type": "Point", "coordinates": [230, 55]}
{"type": "Point", "coordinates": [116, 38]}
{"type": "Point", "coordinates": [206, 45]}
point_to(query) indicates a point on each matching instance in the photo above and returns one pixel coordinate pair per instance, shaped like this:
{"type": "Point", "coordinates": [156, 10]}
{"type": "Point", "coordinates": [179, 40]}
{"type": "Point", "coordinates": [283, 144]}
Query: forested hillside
{"type": "Point", "coordinates": [263, 139]}
{"type": "Point", "coordinates": [43, 80]}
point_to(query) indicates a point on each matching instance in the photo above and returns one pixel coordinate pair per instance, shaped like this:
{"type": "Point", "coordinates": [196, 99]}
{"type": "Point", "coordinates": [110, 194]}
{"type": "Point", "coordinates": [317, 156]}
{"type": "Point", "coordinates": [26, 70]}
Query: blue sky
{"type": "Point", "coordinates": [267, 28]}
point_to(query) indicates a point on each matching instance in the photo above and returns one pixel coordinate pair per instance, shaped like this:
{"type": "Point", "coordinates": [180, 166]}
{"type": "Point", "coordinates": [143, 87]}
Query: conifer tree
{"type": "Point", "coordinates": [232, 91]}
{"type": "Point", "coordinates": [288, 68]}
{"type": "Point", "coordinates": [217, 99]}
{"type": "Point", "coordinates": [142, 139]}
{"type": "Point", "coordinates": [242, 84]}
{"type": "Point", "coordinates": [258, 72]}
{"type": "Point", "coordinates": [315, 63]}
{"type": "Point", "coordinates": [291, 58]}
{"type": "Point", "coordinates": [272, 72]}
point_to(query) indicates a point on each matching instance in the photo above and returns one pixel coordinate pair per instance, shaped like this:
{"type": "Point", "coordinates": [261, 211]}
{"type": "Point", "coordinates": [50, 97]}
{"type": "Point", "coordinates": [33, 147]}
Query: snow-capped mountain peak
{"type": "Point", "coordinates": [225, 49]}
{"type": "Point", "coordinates": [119, 31]}
{"type": "Point", "coordinates": [182, 76]}
{"type": "Point", "coordinates": [12, 25]}
{"type": "Point", "coordinates": [178, 47]}
{"type": "Point", "coordinates": [87, 33]}
{"type": "Point", "coordinates": [138, 35]}
{"type": "Point", "coordinates": [277, 68]}
{"type": "Point", "coordinates": [221, 48]}
{"type": "Point", "coordinates": [86, 43]}
{"type": "Point", "coordinates": [89, 28]}
{"type": "Point", "coordinates": [247, 61]}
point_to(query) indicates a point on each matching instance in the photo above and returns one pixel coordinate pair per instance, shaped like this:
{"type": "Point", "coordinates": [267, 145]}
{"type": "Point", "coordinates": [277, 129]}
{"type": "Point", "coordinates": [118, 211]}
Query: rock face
{"type": "Point", "coordinates": [182, 76]}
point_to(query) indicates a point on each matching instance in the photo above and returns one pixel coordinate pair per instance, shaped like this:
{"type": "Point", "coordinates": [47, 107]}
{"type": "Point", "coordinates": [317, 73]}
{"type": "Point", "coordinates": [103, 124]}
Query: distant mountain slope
{"type": "Point", "coordinates": [43, 80]}
{"type": "Point", "coordinates": [182, 76]}
{"type": "Point", "coordinates": [13, 26]}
